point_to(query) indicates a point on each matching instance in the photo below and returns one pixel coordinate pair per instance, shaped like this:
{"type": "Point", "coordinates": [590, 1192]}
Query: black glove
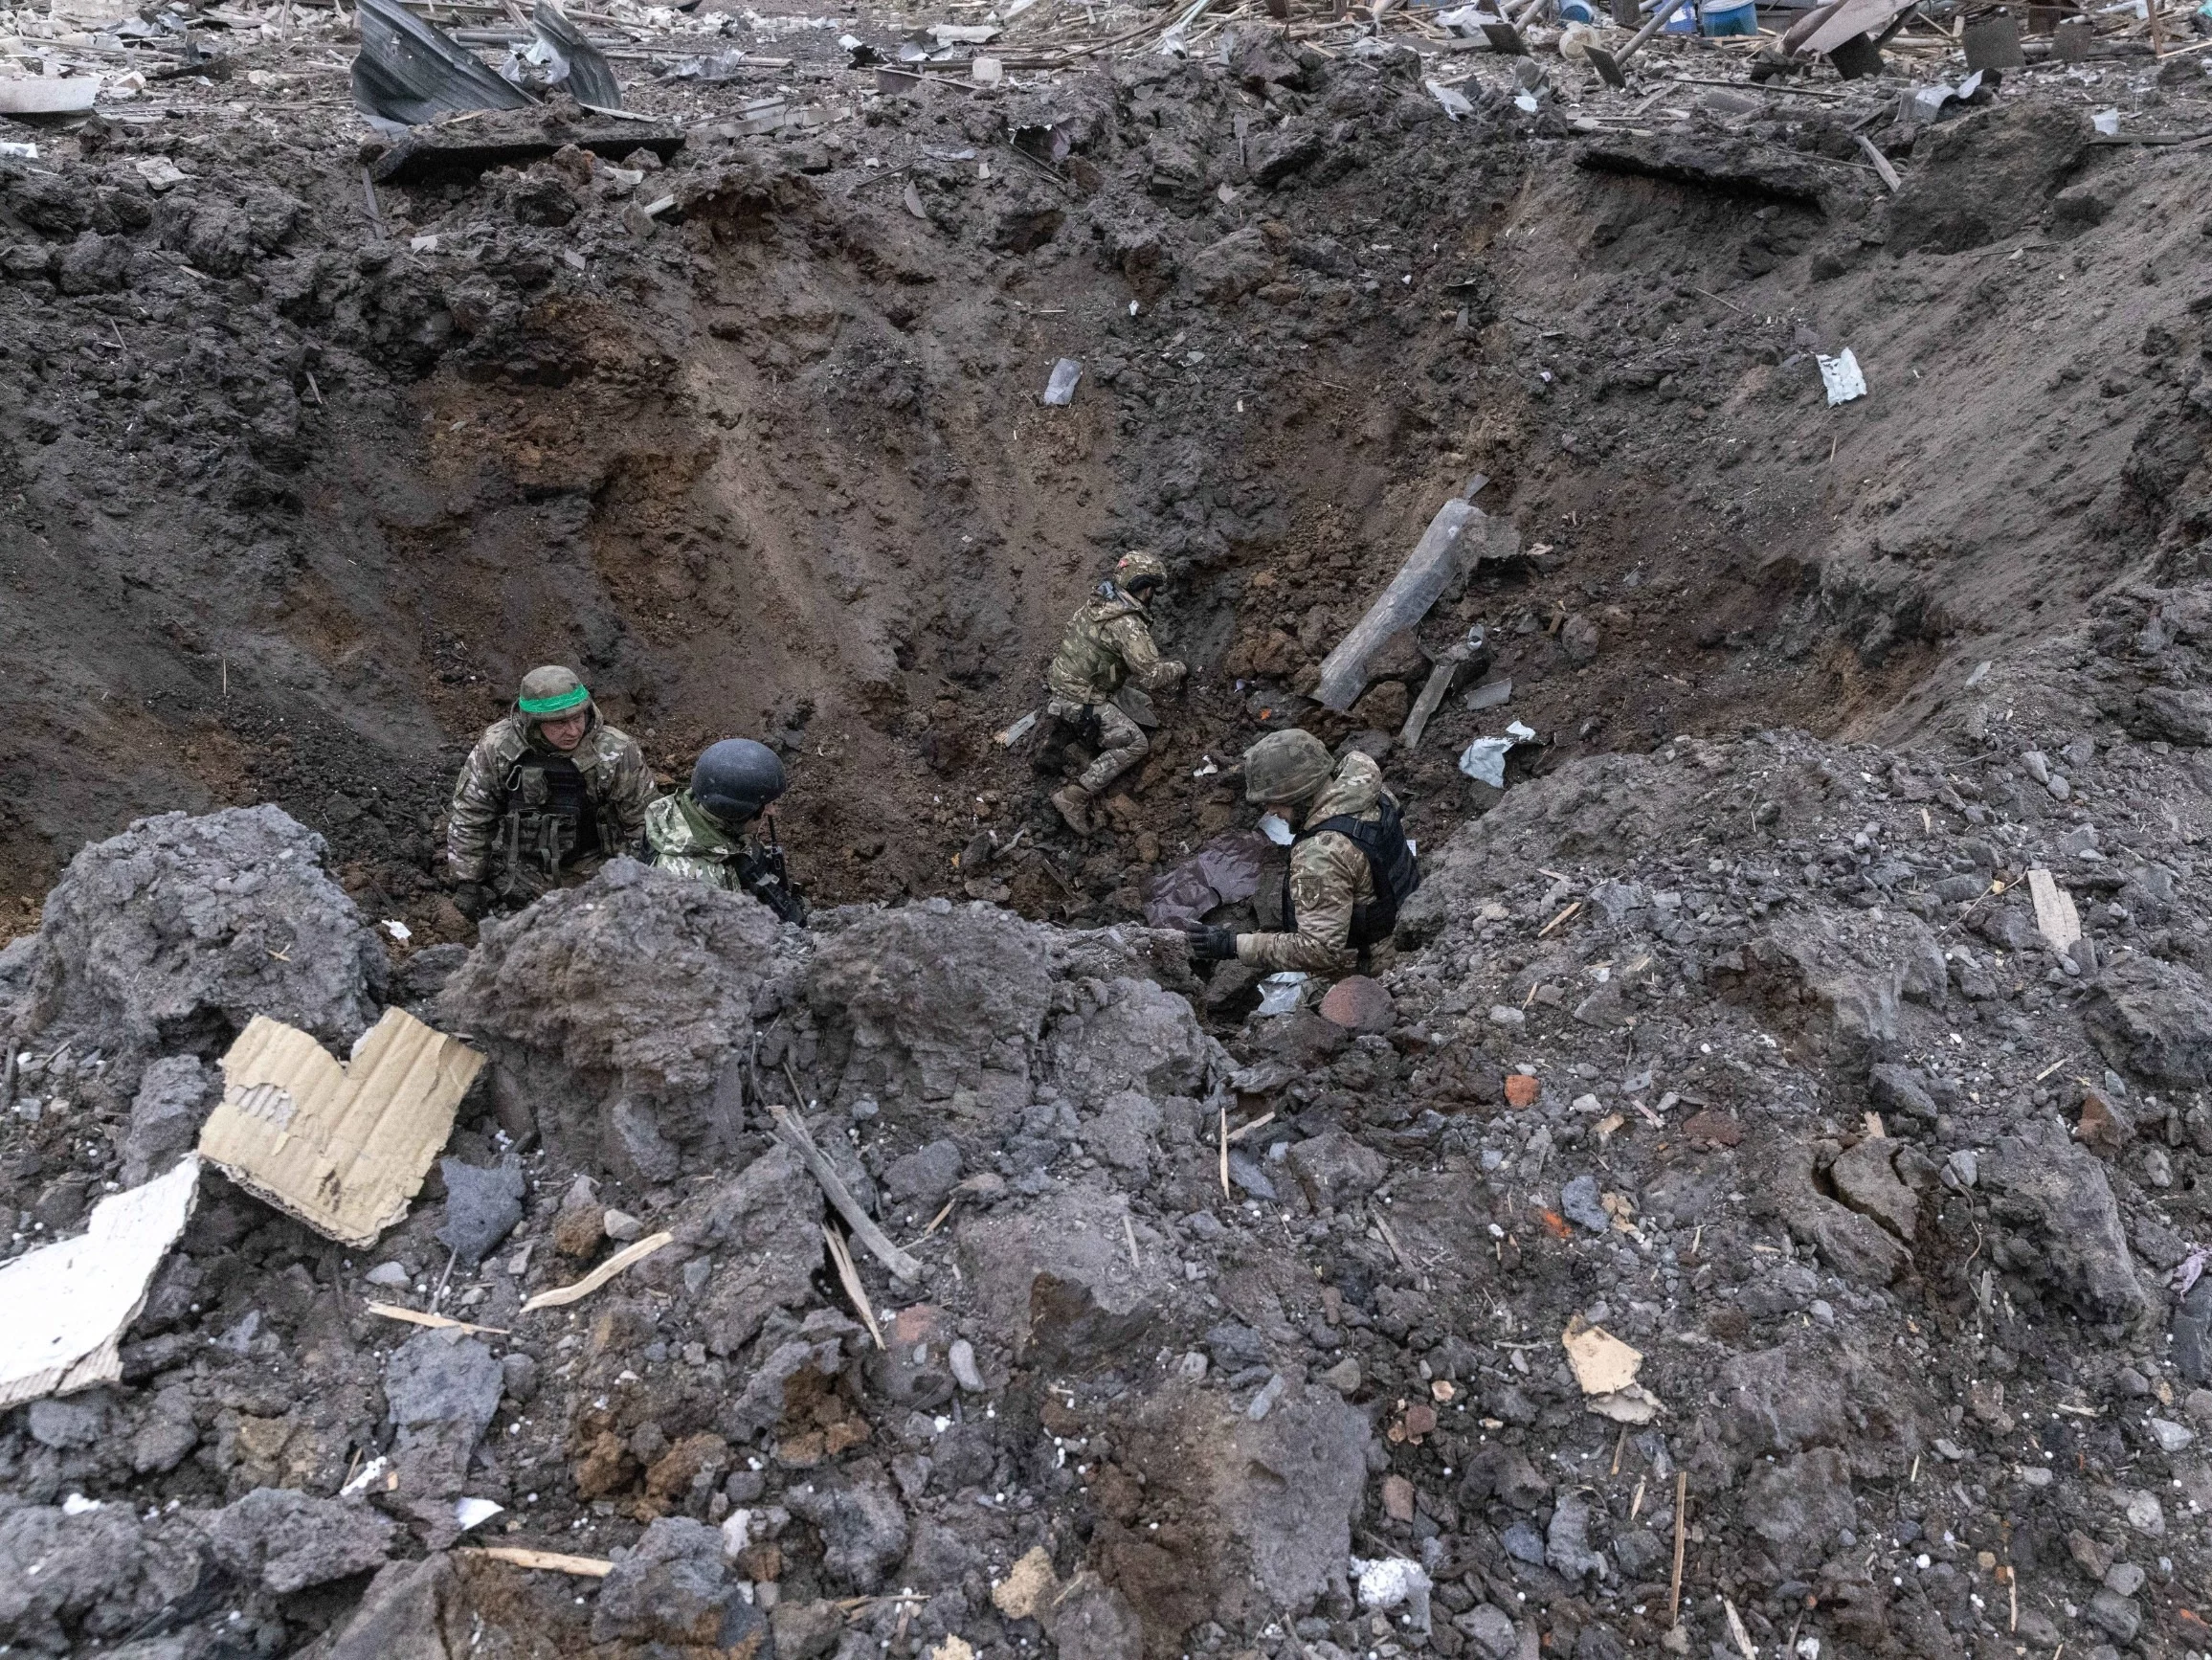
{"type": "Point", "coordinates": [472, 898]}
{"type": "Point", "coordinates": [1209, 944]}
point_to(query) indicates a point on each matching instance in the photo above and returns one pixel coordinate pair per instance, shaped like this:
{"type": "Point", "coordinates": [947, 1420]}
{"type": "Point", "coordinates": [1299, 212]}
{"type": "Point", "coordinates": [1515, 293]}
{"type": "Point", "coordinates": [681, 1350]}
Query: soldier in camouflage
{"type": "Point", "coordinates": [1108, 645]}
{"type": "Point", "coordinates": [1330, 891]}
{"type": "Point", "coordinates": [706, 833]}
{"type": "Point", "coordinates": [548, 794]}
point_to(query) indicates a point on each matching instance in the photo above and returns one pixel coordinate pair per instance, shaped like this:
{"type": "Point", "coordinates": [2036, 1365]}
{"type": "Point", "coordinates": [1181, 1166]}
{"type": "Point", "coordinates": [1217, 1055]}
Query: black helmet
{"type": "Point", "coordinates": [735, 778]}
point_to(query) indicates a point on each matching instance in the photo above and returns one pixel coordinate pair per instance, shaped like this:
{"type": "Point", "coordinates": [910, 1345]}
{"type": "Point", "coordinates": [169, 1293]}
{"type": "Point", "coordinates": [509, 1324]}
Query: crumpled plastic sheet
{"type": "Point", "coordinates": [1222, 872]}
{"type": "Point", "coordinates": [1485, 759]}
{"type": "Point", "coordinates": [1281, 992]}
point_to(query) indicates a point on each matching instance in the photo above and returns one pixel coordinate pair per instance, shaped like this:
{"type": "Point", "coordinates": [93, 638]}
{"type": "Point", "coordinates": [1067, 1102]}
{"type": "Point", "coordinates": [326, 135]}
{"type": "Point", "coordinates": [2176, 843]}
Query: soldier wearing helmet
{"type": "Point", "coordinates": [548, 794]}
{"type": "Point", "coordinates": [1108, 645]}
{"type": "Point", "coordinates": [1351, 864]}
{"type": "Point", "coordinates": [704, 831]}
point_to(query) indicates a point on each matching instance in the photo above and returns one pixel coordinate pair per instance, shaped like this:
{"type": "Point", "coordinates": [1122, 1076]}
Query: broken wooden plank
{"type": "Point", "coordinates": [435, 1322]}
{"type": "Point", "coordinates": [2055, 917]}
{"type": "Point", "coordinates": [1432, 696]}
{"type": "Point", "coordinates": [1881, 162]}
{"type": "Point", "coordinates": [552, 1561]}
{"type": "Point", "coordinates": [840, 1197]}
{"type": "Point", "coordinates": [600, 1275]}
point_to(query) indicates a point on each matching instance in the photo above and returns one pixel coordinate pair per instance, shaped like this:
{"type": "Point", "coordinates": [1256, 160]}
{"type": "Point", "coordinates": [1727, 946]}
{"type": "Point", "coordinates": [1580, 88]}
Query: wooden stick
{"type": "Point", "coordinates": [600, 1275]}
{"type": "Point", "coordinates": [1130, 1233]}
{"type": "Point", "coordinates": [1244, 1130]}
{"type": "Point", "coordinates": [552, 1562]}
{"type": "Point", "coordinates": [1880, 163]}
{"type": "Point", "coordinates": [863, 1225]}
{"type": "Point", "coordinates": [851, 1278]}
{"type": "Point", "coordinates": [1225, 1193]}
{"type": "Point", "coordinates": [1680, 1533]}
{"type": "Point", "coordinates": [436, 1322]}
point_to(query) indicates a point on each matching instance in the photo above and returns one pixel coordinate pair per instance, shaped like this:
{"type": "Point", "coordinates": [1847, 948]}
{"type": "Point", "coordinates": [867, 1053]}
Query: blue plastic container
{"type": "Point", "coordinates": [1581, 11]}
{"type": "Point", "coordinates": [1717, 18]}
{"type": "Point", "coordinates": [1683, 22]}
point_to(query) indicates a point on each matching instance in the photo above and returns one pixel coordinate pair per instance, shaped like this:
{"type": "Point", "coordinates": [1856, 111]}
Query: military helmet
{"type": "Point", "coordinates": [1287, 766]}
{"type": "Point", "coordinates": [551, 692]}
{"type": "Point", "coordinates": [735, 778]}
{"type": "Point", "coordinates": [1138, 565]}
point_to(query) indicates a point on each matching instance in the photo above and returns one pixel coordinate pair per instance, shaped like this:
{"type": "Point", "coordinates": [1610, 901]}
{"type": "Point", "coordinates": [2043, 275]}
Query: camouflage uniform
{"type": "Point", "coordinates": [1329, 876]}
{"type": "Point", "coordinates": [685, 841]}
{"type": "Point", "coordinates": [1108, 645]}
{"type": "Point", "coordinates": [500, 832]}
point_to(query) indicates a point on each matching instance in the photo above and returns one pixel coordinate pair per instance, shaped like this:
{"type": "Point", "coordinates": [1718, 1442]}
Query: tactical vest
{"type": "Point", "coordinates": [548, 818]}
{"type": "Point", "coordinates": [1391, 867]}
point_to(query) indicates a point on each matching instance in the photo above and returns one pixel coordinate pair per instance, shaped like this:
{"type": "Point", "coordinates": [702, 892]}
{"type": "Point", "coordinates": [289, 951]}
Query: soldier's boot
{"type": "Point", "coordinates": [1074, 805]}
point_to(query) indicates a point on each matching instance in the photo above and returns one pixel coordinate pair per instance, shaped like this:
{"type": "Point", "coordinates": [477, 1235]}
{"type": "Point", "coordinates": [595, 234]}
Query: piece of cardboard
{"type": "Point", "coordinates": [69, 1302]}
{"type": "Point", "coordinates": [1601, 1362]}
{"type": "Point", "coordinates": [342, 1148]}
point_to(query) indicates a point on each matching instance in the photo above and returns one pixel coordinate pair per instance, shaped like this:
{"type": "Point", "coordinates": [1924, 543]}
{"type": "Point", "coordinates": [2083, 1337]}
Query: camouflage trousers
{"type": "Point", "coordinates": [1121, 742]}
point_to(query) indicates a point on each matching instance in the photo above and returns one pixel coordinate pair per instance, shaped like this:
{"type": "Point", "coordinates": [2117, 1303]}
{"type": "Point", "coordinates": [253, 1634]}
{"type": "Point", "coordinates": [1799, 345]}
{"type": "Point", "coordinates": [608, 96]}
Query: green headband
{"type": "Point", "coordinates": [559, 704]}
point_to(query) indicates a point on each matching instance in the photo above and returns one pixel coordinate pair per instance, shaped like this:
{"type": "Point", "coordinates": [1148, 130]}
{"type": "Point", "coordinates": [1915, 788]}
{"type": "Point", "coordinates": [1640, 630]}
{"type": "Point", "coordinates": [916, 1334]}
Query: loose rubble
{"type": "Point", "coordinates": [1758, 1205]}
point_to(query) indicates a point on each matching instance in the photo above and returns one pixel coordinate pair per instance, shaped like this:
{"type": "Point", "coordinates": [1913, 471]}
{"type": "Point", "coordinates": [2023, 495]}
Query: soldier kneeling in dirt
{"type": "Point", "coordinates": [548, 794]}
{"type": "Point", "coordinates": [1108, 645]}
{"type": "Point", "coordinates": [703, 833]}
{"type": "Point", "coordinates": [1350, 865]}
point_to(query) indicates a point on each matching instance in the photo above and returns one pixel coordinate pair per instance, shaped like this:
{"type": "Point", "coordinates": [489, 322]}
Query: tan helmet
{"type": "Point", "coordinates": [551, 692]}
{"type": "Point", "coordinates": [1287, 766]}
{"type": "Point", "coordinates": [1140, 565]}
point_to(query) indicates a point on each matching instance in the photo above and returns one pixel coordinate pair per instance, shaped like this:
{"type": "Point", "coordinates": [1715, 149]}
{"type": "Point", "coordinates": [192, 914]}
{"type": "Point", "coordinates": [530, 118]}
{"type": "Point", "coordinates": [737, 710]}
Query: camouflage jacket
{"type": "Point", "coordinates": [1329, 876]}
{"type": "Point", "coordinates": [497, 831]}
{"type": "Point", "coordinates": [1108, 643]}
{"type": "Point", "coordinates": [686, 841]}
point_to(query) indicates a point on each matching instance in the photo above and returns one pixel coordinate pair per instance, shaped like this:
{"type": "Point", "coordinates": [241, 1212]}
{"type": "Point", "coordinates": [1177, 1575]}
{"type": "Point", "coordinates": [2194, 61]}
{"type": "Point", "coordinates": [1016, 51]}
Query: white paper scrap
{"type": "Point", "coordinates": [69, 1302]}
{"type": "Point", "coordinates": [1840, 375]}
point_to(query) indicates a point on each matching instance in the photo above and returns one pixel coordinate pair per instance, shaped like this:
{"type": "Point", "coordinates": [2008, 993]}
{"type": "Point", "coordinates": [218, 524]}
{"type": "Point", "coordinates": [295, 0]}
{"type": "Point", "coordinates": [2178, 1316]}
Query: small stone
{"type": "Point", "coordinates": [2125, 1580]}
{"type": "Point", "coordinates": [2171, 1437]}
{"type": "Point", "coordinates": [2034, 1475]}
{"type": "Point", "coordinates": [1398, 1498]}
{"type": "Point", "coordinates": [1264, 1403]}
{"type": "Point", "coordinates": [620, 1225]}
{"type": "Point", "coordinates": [580, 1223]}
{"type": "Point", "coordinates": [1191, 1369]}
{"type": "Point", "coordinates": [2144, 1513]}
{"type": "Point", "coordinates": [1359, 1004]}
{"type": "Point", "coordinates": [2197, 1405]}
{"type": "Point", "coordinates": [483, 1206]}
{"type": "Point", "coordinates": [2131, 1384]}
{"type": "Point", "coordinates": [1962, 1168]}
{"type": "Point", "coordinates": [1579, 1203]}
{"type": "Point", "coordinates": [1505, 1015]}
{"type": "Point", "coordinates": [961, 1359]}
{"type": "Point", "coordinates": [518, 1377]}
{"type": "Point", "coordinates": [393, 1275]}
{"type": "Point", "coordinates": [1344, 1376]}
{"type": "Point", "coordinates": [1028, 1588]}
